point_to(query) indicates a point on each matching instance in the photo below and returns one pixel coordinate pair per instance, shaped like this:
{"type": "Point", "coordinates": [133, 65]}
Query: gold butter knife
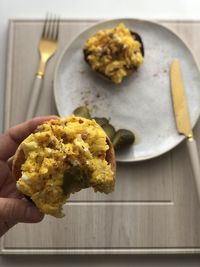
{"type": "Point", "coordinates": [182, 116]}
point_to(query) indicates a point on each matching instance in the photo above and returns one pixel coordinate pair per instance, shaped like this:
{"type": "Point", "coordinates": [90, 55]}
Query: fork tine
{"type": "Point", "coordinates": [45, 27]}
{"type": "Point", "coordinates": [57, 28]}
{"type": "Point", "coordinates": [50, 28]}
{"type": "Point", "coordinates": [51, 33]}
{"type": "Point", "coordinates": [54, 33]}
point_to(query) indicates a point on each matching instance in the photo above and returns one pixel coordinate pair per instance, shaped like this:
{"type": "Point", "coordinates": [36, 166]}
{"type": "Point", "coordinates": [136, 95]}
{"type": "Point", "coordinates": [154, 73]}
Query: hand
{"type": "Point", "coordinates": [14, 207]}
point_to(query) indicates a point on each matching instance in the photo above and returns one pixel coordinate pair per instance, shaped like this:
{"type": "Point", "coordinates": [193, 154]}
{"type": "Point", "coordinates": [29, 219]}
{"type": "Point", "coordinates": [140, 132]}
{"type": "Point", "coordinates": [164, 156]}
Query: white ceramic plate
{"type": "Point", "coordinates": [142, 103]}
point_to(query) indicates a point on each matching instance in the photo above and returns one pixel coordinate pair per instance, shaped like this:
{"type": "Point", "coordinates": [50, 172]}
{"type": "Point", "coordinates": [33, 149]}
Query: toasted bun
{"type": "Point", "coordinates": [18, 160]}
{"type": "Point", "coordinates": [137, 37]}
{"type": "Point", "coordinates": [50, 196]}
{"type": "Point", "coordinates": [110, 155]}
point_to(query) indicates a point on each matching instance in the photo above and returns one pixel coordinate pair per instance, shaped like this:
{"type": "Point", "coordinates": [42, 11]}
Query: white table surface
{"type": "Point", "coordinates": [147, 9]}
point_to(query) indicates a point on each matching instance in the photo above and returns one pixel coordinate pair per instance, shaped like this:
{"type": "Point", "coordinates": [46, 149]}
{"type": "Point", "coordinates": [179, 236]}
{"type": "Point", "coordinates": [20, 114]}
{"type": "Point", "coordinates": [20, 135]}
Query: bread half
{"type": "Point", "coordinates": [45, 162]}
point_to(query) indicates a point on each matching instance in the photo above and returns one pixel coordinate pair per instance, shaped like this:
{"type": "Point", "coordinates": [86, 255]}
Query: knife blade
{"type": "Point", "coordinates": [182, 118]}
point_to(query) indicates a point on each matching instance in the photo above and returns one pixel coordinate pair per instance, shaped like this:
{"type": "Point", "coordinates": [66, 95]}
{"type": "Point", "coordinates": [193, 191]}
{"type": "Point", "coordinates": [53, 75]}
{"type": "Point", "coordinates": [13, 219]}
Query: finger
{"type": "Point", "coordinates": [21, 131]}
{"type": "Point", "coordinates": [15, 135]}
{"type": "Point", "coordinates": [18, 210]}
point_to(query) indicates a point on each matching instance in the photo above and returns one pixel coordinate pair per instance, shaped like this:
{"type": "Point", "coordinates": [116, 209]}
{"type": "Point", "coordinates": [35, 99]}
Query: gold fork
{"type": "Point", "coordinates": [47, 48]}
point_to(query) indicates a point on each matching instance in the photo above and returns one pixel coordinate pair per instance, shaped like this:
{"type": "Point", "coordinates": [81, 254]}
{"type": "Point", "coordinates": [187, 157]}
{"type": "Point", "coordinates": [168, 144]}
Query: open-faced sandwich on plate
{"type": "Point", "coordinates": [62, 157]}
{"type": "Point", "coordinates": [115, 53]}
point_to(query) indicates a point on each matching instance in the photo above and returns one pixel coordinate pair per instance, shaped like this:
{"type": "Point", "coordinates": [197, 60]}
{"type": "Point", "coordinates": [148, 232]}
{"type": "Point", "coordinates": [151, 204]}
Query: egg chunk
{"type": "Point", "coordinates": [62, 157]}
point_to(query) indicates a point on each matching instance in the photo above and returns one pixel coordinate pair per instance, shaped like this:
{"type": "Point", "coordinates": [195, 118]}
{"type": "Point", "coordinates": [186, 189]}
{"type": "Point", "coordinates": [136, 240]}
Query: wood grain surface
{"type": "Point", "coordinates": [154, 208]}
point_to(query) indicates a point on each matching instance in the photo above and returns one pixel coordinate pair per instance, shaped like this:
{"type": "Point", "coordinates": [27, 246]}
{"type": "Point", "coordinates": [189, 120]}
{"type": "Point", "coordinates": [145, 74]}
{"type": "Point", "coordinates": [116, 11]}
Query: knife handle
{"type": "Point", "coordinates": [194, 157]}
{"type": "Point", "coordinates": [34, 97]}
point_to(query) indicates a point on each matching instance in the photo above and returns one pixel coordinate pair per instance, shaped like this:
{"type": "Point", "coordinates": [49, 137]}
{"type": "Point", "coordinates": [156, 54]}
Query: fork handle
{"type": "Point", "coordinates": [34, 97]}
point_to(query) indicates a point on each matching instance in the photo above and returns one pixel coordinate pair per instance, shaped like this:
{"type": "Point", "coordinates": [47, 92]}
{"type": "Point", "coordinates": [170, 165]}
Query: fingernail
{"type": "Point", "coordinates": [33, 214]}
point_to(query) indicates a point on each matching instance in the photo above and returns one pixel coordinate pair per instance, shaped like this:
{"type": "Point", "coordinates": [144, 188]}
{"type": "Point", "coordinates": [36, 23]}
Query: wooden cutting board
{"type": "Point", "coordinates": [154, 208]}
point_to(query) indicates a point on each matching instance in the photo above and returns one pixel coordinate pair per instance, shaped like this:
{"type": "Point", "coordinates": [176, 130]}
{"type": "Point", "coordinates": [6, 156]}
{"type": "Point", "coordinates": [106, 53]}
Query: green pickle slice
{"type": "Point", "coordinates": [123, 138]}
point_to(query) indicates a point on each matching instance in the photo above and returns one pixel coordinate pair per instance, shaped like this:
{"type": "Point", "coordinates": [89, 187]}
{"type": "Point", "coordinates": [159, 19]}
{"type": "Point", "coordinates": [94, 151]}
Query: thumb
{"type": "Point", "coordinates": [19, 210]}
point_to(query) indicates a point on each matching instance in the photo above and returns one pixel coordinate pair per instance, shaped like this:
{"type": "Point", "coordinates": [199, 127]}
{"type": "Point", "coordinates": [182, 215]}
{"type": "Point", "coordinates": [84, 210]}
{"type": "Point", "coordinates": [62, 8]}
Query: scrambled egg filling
{"type": "Point", "coordinates": [62, 157]}
{"type": "Point", "coordinates": [113, 52]}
